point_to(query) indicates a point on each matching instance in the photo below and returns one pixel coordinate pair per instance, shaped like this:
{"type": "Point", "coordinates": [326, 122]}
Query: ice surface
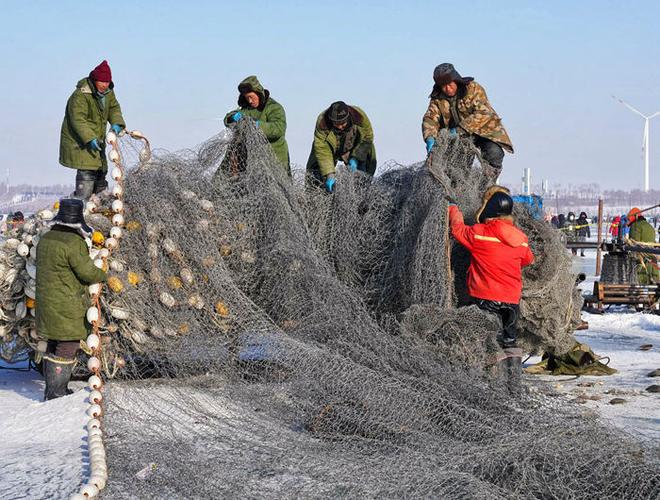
{"type": "Point", "coordinates": [43, 445]}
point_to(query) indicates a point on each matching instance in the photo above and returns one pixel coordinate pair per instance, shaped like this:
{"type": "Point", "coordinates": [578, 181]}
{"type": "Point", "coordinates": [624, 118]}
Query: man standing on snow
{"type": "Point", "coordinates": [641, 231]}
{"type": "Point", "coordinates": [583, 230]}
{"type": "Point", "coordinates": [499, 251]}
{"type": "Point", "coordinates": [82, 140]}
{"type": "Point", "coordinates": [460, 105]}
{"type": "Point", "coordinates": [255, 102]}
{"type": "Point", "coordinates": [64, 271]}
{"type": "Point", "coordinates": [343, 133]}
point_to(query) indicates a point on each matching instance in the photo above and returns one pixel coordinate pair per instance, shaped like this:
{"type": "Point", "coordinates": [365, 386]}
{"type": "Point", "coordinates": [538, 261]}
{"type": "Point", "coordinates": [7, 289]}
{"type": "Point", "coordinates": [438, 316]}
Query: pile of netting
{"type": "Point", "coordinates": [280, 342]}
{"type": "Point", "coordinates": [265, 339]}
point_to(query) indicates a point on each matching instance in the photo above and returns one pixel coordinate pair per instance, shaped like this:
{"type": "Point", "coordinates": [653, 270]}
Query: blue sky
{"type": "Point", "coordinates": [549, 68]}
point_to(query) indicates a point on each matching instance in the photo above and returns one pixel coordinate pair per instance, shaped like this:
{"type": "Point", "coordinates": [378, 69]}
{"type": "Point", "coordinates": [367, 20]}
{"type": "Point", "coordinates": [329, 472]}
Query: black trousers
{"type": "Point", "coordinates": [491, 152]}
{"type": "Point", "coordinates": [65, 349]}
{"type": "Point", "coordinates": [89, 182]}
{"type": "Point", "coordinates": [508, 314]}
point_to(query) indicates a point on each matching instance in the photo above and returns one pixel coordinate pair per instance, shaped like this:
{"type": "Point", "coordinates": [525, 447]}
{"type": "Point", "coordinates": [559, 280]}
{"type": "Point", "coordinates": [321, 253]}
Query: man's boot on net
{"type": "Point", "coordinates": [513, 369]}
{"type": "Point", "coordinates": [57, 372]}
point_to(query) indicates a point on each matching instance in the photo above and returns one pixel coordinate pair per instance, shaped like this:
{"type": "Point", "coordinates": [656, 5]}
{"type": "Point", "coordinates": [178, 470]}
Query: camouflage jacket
{"type": "Point", "coordinates": [475, 115]}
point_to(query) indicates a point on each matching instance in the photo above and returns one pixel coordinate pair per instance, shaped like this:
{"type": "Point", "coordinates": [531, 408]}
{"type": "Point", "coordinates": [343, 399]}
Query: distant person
{"type": "Point", "coordinates": [643, 232]}
{"type": "Point", "coordinates": [17, 220]}
{"type": "Point", "coordinates": [554, 221]}
{"type": "Point", "coordinates": [582, 230]}
{"type": "Point", "coordinates": [461, 106]}
{"type": "Point", "coordinates": [570, 230]}
{"type": "Point", "coordinates": [82, 140]}
{"type": "Point", "coordinates": [499, 251]}
{"type": "Point", "coordinates": [342, 133]}
{"type": "Point", "coordinates": [255, 102]}
{"type": "Point", "coordinates": [64, 271]}
{"type": "Point", "coordinates": [613, 230]}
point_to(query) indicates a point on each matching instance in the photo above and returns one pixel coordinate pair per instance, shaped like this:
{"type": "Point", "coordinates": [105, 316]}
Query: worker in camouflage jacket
{"type": "Point", "coordinates": [460, 105]}
{"type": "Point", "coordinates": [82, 139]}
{"type": "Point", "coordinates": [64, 272]}
{"type": "Point", "coordinates": [255, 102]}
{"type": "Point", "coordinates": [642, 232]}
{"type": "Point", "coordinates": [342, 133]}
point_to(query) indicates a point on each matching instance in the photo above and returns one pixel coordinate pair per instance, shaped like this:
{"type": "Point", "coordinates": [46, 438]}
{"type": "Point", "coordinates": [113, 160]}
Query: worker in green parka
{"type": "Point", "coordinates": [64, 272]}
{"type": "Point", "coordinates": [89, 110]}
{"type": "Point", "coordinates": [256, 102]}
{"type": "Point", "coordinates": [342, 133]}
{"type": "Point", "coordinates": [640, 231]}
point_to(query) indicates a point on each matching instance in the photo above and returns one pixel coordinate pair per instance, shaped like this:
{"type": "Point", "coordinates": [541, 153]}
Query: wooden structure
{"type": "Point", "coordinates": [643, 297]}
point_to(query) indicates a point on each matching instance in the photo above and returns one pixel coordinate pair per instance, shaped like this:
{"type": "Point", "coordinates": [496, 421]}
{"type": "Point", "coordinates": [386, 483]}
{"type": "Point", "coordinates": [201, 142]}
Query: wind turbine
{"type": "Point", "coordinates": [645, 141]}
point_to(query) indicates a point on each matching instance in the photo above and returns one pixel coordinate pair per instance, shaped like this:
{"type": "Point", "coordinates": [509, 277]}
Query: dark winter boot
{"type": "Point", "coordinates": [57, 372]}
{"type": "Point", "coordinates": [513, 369]}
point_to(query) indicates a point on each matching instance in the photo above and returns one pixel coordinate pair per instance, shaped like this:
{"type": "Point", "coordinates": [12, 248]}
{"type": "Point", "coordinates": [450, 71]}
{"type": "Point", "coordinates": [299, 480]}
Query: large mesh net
{"type": "Point", "coordinates": [265, 339]}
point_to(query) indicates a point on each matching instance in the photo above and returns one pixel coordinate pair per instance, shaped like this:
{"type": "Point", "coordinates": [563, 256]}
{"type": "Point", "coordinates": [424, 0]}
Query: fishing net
{"type": "Point", "coordinates": [265, 339]}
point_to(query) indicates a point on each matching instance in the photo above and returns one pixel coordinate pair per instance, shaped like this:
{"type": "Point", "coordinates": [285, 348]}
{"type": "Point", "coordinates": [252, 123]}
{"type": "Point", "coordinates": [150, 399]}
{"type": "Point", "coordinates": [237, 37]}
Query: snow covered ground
{"type": "Point", "coordinates": [619, 336]}
{"type": "Point", "coordinates": [43, 444]}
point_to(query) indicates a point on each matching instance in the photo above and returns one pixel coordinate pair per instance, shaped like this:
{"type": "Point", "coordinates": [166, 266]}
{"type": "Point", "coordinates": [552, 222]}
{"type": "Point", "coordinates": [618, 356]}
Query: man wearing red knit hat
{"type": "Point", "coordinates": [82, 140]}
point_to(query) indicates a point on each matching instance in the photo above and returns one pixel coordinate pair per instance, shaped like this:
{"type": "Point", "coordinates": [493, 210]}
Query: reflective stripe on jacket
{"type": "Point", "coordinates": [499, 252]}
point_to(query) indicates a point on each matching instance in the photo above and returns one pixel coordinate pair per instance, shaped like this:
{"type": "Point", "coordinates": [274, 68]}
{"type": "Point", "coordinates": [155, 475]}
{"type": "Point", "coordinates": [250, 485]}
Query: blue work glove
{"type": "Point", "coordinates": [116, 128]}
{"type": "Point", "coordinates": [258, 122]}
{"type": "Point", "coordinates": [94, 145]}
{"type": "Point", "coordinates": [236, 116]}
{"type": "Point", "coordinates": [429, 144]}
{"type": "Point", "coordinates": [452, 132]}
{"type": "Point", "coordinates": [330, 184]}
{"type": "Point", "coordinates": [352, 164]}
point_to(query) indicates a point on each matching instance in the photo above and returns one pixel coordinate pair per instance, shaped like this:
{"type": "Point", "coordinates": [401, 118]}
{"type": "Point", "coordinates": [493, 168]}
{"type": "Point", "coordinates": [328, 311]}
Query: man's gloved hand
{"type": "Point", "coordinates": [352, 164]}
{"type": "Point", "coordinates": [236, 116]}
{"type": "Point", "coordinates": [330, 183]}
{"type": "Point", "coordinates": [430, 141]}
{"type": "Point", "coordinates": [257, 123]}
{"type": "Point", "coordinates": [94, 145]}
{"type": "Point", "coordinates": [116, 128]}
{"type": "Point", "coordinates": [452, 132]}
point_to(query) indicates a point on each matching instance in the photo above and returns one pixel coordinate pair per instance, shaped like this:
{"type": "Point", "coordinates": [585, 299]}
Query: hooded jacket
{"type": "Point", "coordinates": [499, 252]}
{"type": "Point", "coordinates": [641, 230]}
{"type": "Point", "coordinates": [86, 118]}
{"type": "Point", "coordinates": [468, 110]}
{"type": "Point", "coordinates": [614, 227]}
{"type": "Point", "coordinates": [327, 146]}
{"type": "Point", "coordinates": [582, 226]}
{"type": "Point", "coordinates": [270, 115]}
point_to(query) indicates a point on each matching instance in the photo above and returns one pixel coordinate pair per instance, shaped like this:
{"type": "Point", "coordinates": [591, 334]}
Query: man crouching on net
{"type": "Point", "coordinates": [494, 280]}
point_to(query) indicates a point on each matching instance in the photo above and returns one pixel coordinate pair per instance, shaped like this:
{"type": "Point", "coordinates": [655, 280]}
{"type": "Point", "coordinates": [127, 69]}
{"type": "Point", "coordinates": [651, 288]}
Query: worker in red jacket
{"type": "Point", "coordinates": [499, 252]}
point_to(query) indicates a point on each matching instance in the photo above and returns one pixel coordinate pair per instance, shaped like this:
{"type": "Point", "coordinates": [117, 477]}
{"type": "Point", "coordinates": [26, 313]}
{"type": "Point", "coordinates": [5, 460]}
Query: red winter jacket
{"type": "Point", "coordinates": [499, 252]}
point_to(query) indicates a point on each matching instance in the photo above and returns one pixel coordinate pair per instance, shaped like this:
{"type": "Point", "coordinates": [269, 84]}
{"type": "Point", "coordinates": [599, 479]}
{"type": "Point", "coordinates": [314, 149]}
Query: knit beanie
{"type": "Point", "coordinates": [101, 73]}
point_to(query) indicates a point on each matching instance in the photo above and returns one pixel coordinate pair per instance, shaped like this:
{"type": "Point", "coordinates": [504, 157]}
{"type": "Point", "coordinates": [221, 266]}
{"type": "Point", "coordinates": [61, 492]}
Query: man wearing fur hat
{"type": "Point", "coordinates": [82, 140]}
{"type": "Point", "coordinates": [255, 102]}
{"type": "Point", "coordinates": [64, 271]}
{"type": "Point", "coordinates": [460, 105]}
{"type": "Point", "coordinates": [343, 133]}
{"type": "Point", "coordinates": [499, 251]}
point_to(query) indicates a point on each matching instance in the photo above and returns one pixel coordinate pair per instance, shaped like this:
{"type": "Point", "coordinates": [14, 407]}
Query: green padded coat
{"type": "Point", "coordinates": [64, 271]}
{"type": "Point", "coordinates": [326, 152]}
{"type": "Point", "coordinates": [86, 117]}
{"type": "Point", "coordinates": [270, 115]}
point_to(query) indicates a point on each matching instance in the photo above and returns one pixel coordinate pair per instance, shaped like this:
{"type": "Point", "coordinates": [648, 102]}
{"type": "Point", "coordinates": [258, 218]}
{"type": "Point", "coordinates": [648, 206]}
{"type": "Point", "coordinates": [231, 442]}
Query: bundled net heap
{"type": "Point", "coordinates": [268, 340]}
